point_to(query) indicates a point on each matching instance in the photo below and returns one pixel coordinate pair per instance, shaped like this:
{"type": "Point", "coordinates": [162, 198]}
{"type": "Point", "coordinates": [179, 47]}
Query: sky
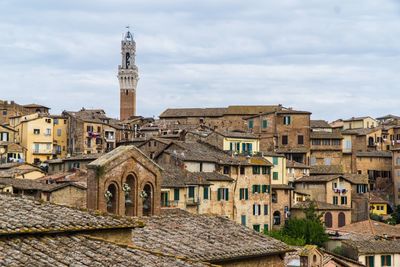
{"type": "Point", "coordinates": [336, 59]}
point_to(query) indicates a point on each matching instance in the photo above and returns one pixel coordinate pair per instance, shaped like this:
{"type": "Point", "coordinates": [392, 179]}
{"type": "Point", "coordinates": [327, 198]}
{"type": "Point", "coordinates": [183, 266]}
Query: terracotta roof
{"type": "Point", "coordinates": [326, 135]}
{"type": "Point", "coordinates": [26, 184]}
{"type": "Point", "coordinates": [319, 206]}
{"type": "Point", "coordinates": [80, 250]}
{"type": "Point", "coordinates": [281, 186]}
{"type": "Point", "coordinates": [373, 246]}
{"type": "Point", "coordinates": [358, 118]}
{"type": "Point", "coordinates": [18, 170]}
{"type": "Point", "coordinates": [361, 131]}
{"type": "Point", "coordinates": [192, 112]}
{"type": "Point", "coordinates": [319, 124]}
{"type": "Point", "coordinates": [89, 115]}
{"type": "Point", "coordinates": [92, 156]}
{"type": "Point", "coordinates": [376, 199]}
{"type": "Point", "coordinates": [326, 169]}
{"type": "Point", "coordinates": [204, 237]}
{"type": "Point", "coordinates": [375, 154]}
{"type": "Point", "coordinates": [295, 164]}
{"type": "Point", "coordinates": [372, 228]}
{"type": "Point", "coordinates": [352, 178]}
{"type": "Point", "coordinates": [174, 176]}
{"type": "Point", "coordinates": [23, 215]}
{"type": "Point", "coordinates": [237, 134]}
{"type": "Point", "coordinates": [34, 106]}
{"type": "Point", "coordinates": [212, 176]}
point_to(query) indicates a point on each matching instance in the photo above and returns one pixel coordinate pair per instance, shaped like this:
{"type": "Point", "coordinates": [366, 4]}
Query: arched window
{"type": "Point", "coordinates": [341, 219]}
{"type": "Point", "coordinates": [112, 199]}
{"type": "Point", "coordinates": [277, 218]}
{"type": "Point", "coordinates": [328, 220]}
{"type": "Point", "coordinates": [127, 60]}
{"type": "Point", "coordinates": [130, 195]}
{"type": "Point", "coordinates": [147, 196]}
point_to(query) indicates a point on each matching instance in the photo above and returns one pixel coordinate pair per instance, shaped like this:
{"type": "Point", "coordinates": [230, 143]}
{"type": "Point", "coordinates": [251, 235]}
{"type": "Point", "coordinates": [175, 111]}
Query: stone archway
{"type": "Point", "coordinates": [328, 220]}
{"type": "Point", "coordinates": [147, 197]}
{"type": "Point", "coordinates": [131, 203]}
{"type": "Point", "coordinates": [112, 199]}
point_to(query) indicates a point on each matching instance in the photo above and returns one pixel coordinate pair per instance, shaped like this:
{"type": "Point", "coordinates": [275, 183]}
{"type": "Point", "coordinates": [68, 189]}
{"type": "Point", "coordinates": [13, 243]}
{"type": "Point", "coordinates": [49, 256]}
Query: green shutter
{"type": "Point", "coordinates": [219, 194]}
{"type": "Point", "coordinates": [275, 160]}
{"type": "Point", "coordinates": [265, 209]}
{"type": "Point", "coordinates": [226, 194]}
{"type": "Point", "coordinates": [382, 260]}
{"type": "Point", "coordinates": [275, 175]}
{"type": "Point", "coordinates": [268, 189]}
{"type": "Point", "coordinates": [206, 190]}
{"type": "Point", "coordinates": [254, 188]}
{"type": "Point", "coordinates": [176, 194]}
{"type": "Point", "coordinates": [241, 193]}
{"type": "Point", "coordinates": [264, 124]}
{"type": "Point", "coordinates": [246, 193]}
{"type": "Point", "coordinates": [265, 228]}
{"type": "Point", "coordinates": [264, 188]}
{"type": "Point", "coordinates": [389, 260]}
{"type": "Point", "coordinates": [251, 124]}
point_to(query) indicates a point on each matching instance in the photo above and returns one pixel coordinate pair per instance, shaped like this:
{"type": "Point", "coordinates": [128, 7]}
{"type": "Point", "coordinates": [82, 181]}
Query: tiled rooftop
{"type": "Point", "coordinates": [326, 169]}
{"type": "Point", "coordinates": [372, 228]}
{"type": "Point", "coordinates": [23, 215]}
{"type": "Point", "coordinates": [203, 237]}
{"type": "Point", "coordinates": [319, 206]}
{"type": "Point", "coordinates": [79, 250]}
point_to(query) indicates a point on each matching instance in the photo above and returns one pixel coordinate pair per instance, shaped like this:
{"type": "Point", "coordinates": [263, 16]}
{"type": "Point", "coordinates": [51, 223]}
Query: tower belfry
{"type": "Point", "coordinates": [128, 77]}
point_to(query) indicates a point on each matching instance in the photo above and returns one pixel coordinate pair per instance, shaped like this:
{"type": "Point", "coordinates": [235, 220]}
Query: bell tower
{"type": "Point", "coordinates": [128, 77]}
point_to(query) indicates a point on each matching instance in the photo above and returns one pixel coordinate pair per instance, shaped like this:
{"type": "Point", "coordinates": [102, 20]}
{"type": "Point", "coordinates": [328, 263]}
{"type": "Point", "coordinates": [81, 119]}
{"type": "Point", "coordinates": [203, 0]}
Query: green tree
{"type": "Point", "coordinates": [395, 216]}
{"type": "Point", "coordinates": [309, 230]}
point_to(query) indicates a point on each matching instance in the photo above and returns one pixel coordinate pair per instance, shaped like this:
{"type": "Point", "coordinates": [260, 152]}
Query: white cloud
{"type": "Point", "coordinates": [336, 59]}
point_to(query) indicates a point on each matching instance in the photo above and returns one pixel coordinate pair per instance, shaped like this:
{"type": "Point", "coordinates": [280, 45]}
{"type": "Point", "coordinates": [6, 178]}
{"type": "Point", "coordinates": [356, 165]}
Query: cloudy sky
{"type": "Point", "coordinates": [336, 59]}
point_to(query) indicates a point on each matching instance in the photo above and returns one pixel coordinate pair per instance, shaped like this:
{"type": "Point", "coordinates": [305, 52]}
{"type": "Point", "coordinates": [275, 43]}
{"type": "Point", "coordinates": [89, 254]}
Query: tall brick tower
{"type": "Point", "coordinates": [128, 77]}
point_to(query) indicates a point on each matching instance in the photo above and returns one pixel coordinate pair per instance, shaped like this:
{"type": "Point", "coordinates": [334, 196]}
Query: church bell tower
{"type": "Point", "coordinates": [128, 77]}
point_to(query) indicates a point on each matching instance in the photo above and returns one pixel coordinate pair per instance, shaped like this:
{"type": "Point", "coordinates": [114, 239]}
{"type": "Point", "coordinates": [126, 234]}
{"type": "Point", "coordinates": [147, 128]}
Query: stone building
{"type": "Point", "coordinates": [285, 131]}
{"type": "Point", "coordinates": [229, 118]}
{"type": "Point", "coordinates": [128, 77]}
{"type": "Point", "coordinates": [239, 187]}
{"type": "Point", "coordinates": [396, 175]}
{"type": "Point", "coordinates": [124, 182]}
{"type": "Point", "coordinates": [90, 131]}
{"type": "Point", "coordinates": [326, 144]}
{"type": "Point", "coordinates": [335, 192]}
{"type": "Point", "coordinates": [9, 109]}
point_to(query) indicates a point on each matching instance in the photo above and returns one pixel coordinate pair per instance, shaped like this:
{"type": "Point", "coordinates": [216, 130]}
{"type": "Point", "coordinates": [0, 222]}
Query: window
{"type": "Point", "coordinates": [313, 161]}
{"type": "Point", "coordinates": [256, 188]}
{"type": "Point", "coordinates": [265, 209]}
{"type": "Point", "coordinates": [327, 161]}
{"type": "Point", "coordinates": [335, 200]}
{"type": "Point", "coordinates": [286, 120]}
{"type": "Point", "coordinates": [36, 131]}
{"type": "Point", "coordinates": [227, 169]}
{"type": "Point", "coordinates": [256, 209]}
{"type": "Point", "coordinates": [264, 170]}
{"type": "Point", "coordinates": [256, 227]}
{"type": "Point", "coordinates": [336, 142]}
{"type": "Point", "coordinates": [4, 136]}
{"type": "Point", "coordinates": [48, 131]}
{"type": "Point", "coordinates": [284, 139]}
{"type": "Point", "coordinates": [265, 124]}
{"type": "Point", "coordinates": [242, 170]}
{"type": "Point", "coordinates": [243, 220]}
{"type": "Point", "coordinates": [265, 188]}
{"type": "Point", "coordinates": [300, 139]}
{"type": "Point", "coordinates": [275, 160]}
{"type": "Point", "coordinates": [201, 167]}
{"type": "Point", "coordinates": [176, 194]}
{"type": "Point", "coordinates": [326, 142]}
{"type": "Point", "coordinates": [243, 193]}
{"type": "Point", "coordinates": [251, 124]}
{"type": "Point", "coordinates": [191, 192]}
{"type": "Point", "coordinates": [398, 161]}
{"type": "Point", "coordinates": [256, 169]}
{"type": "Point", "coordinates": [223, 194]}
{"type": "Point", "coordinates": [4, 112]}
{"type": "Point", "coordinates": [370, 261]}
{"type": "Point", "coordinates": [361, 188]}
{"type": "Point", "coordinates": [55, 121]}
{"type": "Point", "coordinates": [36, 148]}
{"type": "Point", "coordinates": [347, 144]}
{"type": "Point", "coordinates": [343, 200]}
{"type": "Point", "coordinates": [275, 175]}
{"type": "Point", "coordinates": [206, 192]}
{"type": "Point", "coordinates": [89, 128]}
{"type": "Point", "coordinates": [58, 132]}
{"type": "Point", "coordinates": [274, 197]}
